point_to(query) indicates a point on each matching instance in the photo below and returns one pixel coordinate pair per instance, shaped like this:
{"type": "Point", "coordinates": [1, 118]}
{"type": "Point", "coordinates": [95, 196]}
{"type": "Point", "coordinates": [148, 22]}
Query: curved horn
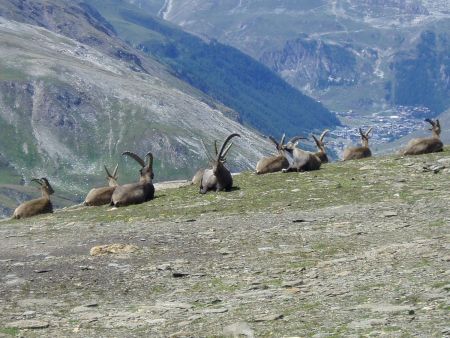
{"type": "Point", "coordinates": [225, 152]}
{"type": "Point", "coordinates": [282, 139]}
{"type": "Point", "coordinates": [326, 131]}
{"type": "Point", "coordinates": [318, 143]}
{"type": "Point", "coordinates": [367, 133]}
{"type": "Point", "coordinates": [215, 147]}
{"type": "Point", "coordinates": [208, 155]}
{"type": "Point", "coordinates": [149, 157]}
{"type": "Point", "coordinates": [296, 138]}
{"type": "Point", "coordinates": [274, 142]}
{"type": "Point", "coordinates": [107, 171]}
{"type": "Point", "coordinates": [430, 121]}
{"type": "Point", "coordinates": [135, 157]}
{"type": "Point", "coordinates": [115, 171]}
{"type": "Point", "coordinates": [219, 155]}
{"type": "Point", "coordinates": [37, 180]}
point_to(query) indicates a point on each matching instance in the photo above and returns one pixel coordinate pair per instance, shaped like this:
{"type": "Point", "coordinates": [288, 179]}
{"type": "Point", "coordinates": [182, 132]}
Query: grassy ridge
{"type": "Point", "coordinates": [342, 183]}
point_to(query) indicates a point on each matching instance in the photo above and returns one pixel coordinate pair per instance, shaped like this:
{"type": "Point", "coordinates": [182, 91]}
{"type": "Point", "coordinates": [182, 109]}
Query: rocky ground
{"type": "Point", "coordinates": [355, 249]}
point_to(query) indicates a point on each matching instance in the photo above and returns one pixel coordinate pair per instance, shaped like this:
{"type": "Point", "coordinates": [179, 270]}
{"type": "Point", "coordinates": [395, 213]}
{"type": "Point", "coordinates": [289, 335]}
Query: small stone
{"type": "Point", "coordinates": [238, 329]}
{"type": "Point", "coordinates": [269, 318]}
{"type": "Point", "coordinates": [164, 267]}
{"type": "Point", "coordinates": [179, 274]}
{"type": "Point", "coordinates": [291, 284]}
{"type": "Point", "coordinates": [29, 314]}
{"type": "Point", "coordinates": [225, 252]}
{"type": "Point", "coordinates": [217, 310]}
{"type": "Point", "coordinates": [390, 214]}
{"type": "Point", "coordinates": [113, 249]}
{"type": "Point", "coordinates": [28, 324]}
{"type": "Point", "coordinates": [93, 304]}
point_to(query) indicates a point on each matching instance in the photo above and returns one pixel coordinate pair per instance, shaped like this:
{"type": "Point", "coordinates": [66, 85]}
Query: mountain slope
{"type": "Point", "coordinates": [66, 109]}
{"type": "Point", "coordinates": [263, 100]}
{"type": "Point", "coordinates": [350, 54]}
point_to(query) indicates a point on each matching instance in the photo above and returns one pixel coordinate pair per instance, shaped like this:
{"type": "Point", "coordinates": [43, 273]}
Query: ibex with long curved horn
{"type": "Point", "coordinates": [299, 159]}
{"type": "Point", "coordinates": [218, 178]}
{"type": "Point", "coordinates": [197, 178]}
{"type": "Point", "coordinates": [275, 163]}
{"type": "Point", "coordinates": [102, 195]}
{"type": "Point", "coordinates": [354, 153]}
{"type": "Point", "coordinates": [321, 153]}
{"type": "Point", "coordinates": [36, 206]}
{"type": "Point", "coordinates": [140, 192]}
{"type": "Point", "coordinates": [426, 145]}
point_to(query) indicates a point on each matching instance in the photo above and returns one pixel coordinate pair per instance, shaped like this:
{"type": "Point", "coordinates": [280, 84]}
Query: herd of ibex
{"type": "Point", "coordinates": [217, 178]}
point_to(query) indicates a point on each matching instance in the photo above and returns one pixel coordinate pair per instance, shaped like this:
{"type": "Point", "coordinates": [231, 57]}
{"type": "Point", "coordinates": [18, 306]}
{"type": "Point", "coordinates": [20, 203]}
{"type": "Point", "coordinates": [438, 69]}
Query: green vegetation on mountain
{"type": "Point", "coordinates": [263, 100]}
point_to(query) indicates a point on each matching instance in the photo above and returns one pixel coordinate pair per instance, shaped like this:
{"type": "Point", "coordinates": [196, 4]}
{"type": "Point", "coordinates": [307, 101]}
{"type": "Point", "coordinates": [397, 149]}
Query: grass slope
{"type": "Point", "coordinates": [341, 183]}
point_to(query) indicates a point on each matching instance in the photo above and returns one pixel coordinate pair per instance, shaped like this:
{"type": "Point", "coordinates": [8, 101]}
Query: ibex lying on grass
{"type": "Point", "coordinates": [426, 145]}
{"type": "Point", "coordinates": [321, 154]}
{"type": "Point", "coordinates": [275, 163]}
{"type": "Point", "coordinates": [136, 193]}
{"type": "Point", "coordinates": [354, 153]}
{"type": "Point", "coordinates": [102, 195]}
{"type": "Point", "coordinates": [197, 178]}
{"type": "Point", "coordinates": [218, 178]}
{"type": "Point", "coordinates": [36, 206]}
{"type": "Point", "coordinates": [299, 160]}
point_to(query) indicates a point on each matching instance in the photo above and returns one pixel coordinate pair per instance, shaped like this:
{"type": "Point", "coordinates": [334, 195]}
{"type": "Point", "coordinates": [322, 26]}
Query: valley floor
{"type": "Point", "coordinates": [358, 248]}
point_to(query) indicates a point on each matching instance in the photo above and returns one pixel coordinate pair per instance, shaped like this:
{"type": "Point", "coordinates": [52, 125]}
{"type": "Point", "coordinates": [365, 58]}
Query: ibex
{"type": "Point", "coordinates": [136, 193]}
{"type": "Point", "coordinates": [36, 206]}
{"type": "Point", "coordinates": [426, 145]}
{"type": "Point", "coordinates": [275, 163]}
{"type": "Point", "coordinates": [218, 178]}
{"type": "Point", "coordinates": [299, 160]}
{"type": "Point", "coordinates": [354, 153]}
{"type": "Point", "coordinates": [102, 195]}
{"type": "Point", "coordinates": [197, 178]}
{"type": "Point", "coordinates": [321, 154]}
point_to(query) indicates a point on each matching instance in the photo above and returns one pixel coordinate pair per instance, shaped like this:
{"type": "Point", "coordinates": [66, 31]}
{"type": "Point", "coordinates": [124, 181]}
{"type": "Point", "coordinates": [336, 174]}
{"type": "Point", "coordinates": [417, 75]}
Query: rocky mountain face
{"type": "Point", "coordinates": [69, 105]}
{"type": "Point", "coordinates": [352, 55]}
{"type": "Point", "coordinates": [262, 99]}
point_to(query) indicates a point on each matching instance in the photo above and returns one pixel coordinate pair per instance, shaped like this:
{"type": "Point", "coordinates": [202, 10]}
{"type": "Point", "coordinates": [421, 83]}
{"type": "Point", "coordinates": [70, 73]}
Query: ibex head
{"type": "Point", "coordinates": [46, 188]}
{"type": "Point", "coordinates": [112, 178]}
{"type": "Point", "coordinates": [319, 141]}
{"type": "Point", "coordinates": [222, 153]}
{"type": "Point", "coordinates": [146, 171]}
{"type": "Point", "coordinates": [290, 146]}
{"type": "Point", "coordinates": [280, 145]}
{"type": "Point", "coordinates": [435, 127]}
{"type": "Point", "coordinates": [365, 137]}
